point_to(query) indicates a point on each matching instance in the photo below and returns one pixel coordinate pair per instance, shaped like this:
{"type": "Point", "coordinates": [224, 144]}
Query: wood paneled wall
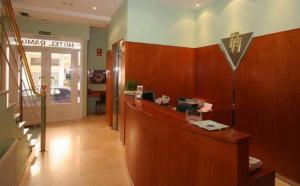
{"type": "Point", "coordinates": [109, 88]}
{"type": "Point", "coordinates": [165, 69]}
{"type": "Point", "coordinates": [268, 99]}
{"type": "Point", "coordinates": [214, 82]}
{"type": "Point", "coordinates": [267, 89]}
{"type": "Point", "coordinates": [267, 96]}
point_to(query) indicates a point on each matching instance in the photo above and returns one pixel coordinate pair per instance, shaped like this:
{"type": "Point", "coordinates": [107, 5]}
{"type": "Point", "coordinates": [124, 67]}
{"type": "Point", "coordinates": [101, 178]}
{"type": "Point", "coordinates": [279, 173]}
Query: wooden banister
{"type": "Point", "coordinates": [12, 21]}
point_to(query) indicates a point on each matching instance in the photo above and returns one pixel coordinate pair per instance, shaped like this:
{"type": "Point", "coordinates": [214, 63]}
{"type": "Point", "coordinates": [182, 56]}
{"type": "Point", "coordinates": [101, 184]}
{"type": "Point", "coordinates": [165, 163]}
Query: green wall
{"type": "Point", "coordinates": [262, 17]}
{"type": "Point", "coordinates": [59, 29]}
{"type": "Point", "coordinates": [98, 39]}
{"type": "Point", "coordinates": [152, 22]}
{"type": "Point", "coordinates": [117, 28]}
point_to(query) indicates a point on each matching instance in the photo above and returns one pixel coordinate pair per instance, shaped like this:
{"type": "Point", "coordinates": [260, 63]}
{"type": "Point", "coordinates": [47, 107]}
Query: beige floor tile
{"type": "Point", "coordinates": [79, 153]}
{"type": "Point", "coordinates": [82, 153]}
{"type": "Point", "coordinates": [281, 183]}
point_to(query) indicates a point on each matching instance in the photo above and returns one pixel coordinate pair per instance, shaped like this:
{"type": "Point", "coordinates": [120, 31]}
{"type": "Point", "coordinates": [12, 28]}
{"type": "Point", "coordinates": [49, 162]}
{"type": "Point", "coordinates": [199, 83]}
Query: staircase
{"type": "Point", "coordinates": [11, 127]}
{"type": "Point", "coordinates": [22, 105]}
{"type": "Point", "coordinates": [8, 114]}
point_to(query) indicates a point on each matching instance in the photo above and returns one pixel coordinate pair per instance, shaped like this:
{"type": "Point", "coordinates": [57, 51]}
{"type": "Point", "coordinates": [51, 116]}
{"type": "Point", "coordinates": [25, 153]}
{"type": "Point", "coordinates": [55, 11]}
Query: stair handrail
{"type": "Point", "coordinates": [15, 29]}
{"type": "Point", "coordinates": [12, 20]}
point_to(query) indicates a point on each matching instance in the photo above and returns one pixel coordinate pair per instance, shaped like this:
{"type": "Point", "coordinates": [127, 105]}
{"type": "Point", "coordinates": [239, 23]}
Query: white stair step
{"type": "Point", "coordinates": [21, 124]}
{"type": "Point", "coordinates": [25, 131]}
{"type": "Point", "coordinates": [29, 136]}
{"type": "Point", "coordinates": [17, 115]}
{"type": "Point", "coordinates": [33, 142]}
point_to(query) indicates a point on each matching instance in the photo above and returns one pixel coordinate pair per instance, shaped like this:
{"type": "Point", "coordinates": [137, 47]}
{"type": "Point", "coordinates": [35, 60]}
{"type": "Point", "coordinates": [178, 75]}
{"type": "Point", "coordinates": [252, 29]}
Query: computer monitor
{"type": "Point", "coordinates": [148, 95]}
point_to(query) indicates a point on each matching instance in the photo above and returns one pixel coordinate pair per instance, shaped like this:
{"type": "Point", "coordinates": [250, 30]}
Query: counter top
{"type": "Point", "coordinates": [177, 119]}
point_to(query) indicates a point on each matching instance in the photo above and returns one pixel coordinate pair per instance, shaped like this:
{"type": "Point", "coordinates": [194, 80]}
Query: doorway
{"type": "Point", "coordinates": [59, 70]}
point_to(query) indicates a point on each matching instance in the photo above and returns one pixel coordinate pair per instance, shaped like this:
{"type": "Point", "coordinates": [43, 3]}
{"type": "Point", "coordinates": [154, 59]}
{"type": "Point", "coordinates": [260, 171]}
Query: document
{"type": "Point", "coordinates": [209, 125]}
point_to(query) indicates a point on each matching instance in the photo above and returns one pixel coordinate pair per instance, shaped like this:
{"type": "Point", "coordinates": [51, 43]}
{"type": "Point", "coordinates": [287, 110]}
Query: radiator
{"type": "Point", "coordinates": [8, 172]}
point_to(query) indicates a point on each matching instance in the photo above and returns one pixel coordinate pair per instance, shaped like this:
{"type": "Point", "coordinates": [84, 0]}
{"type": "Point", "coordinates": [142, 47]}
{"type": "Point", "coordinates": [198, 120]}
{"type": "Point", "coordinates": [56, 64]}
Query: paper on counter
{"type": "Point", "coordinates": [207, 107]}
{"type": "Point", "coordinates": [209, 125]}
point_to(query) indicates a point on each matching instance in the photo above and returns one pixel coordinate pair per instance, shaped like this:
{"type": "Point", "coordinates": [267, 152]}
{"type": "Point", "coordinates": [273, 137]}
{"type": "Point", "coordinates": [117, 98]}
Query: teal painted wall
{"type": "Point", "coordinates": [152, 22]}
{"type": "Point", "coordinates": [223, 17]}
{"type": "Point", "coordinates": [117, 28]}
{"type": "Point", "coordinates": [98, 39]}
{"type": "Point", "coordinates": [59, 29]}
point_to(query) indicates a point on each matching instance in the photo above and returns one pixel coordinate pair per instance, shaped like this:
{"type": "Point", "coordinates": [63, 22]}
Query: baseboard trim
{"type": "Point", "coordinates": [287, 180]}
{"type": "Point", "coordinates": [26, 166]}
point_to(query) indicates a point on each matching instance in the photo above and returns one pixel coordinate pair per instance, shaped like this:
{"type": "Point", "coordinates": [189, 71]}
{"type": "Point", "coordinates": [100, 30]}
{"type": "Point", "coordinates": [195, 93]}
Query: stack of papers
{"type": "Point", "coordinates": [209, 125]}
{"type": "Point", "coordinates": [207, 107]}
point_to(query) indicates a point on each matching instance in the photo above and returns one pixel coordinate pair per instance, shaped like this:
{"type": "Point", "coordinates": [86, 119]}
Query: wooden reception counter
{"type": "Point", "coordinates": [163, 149]}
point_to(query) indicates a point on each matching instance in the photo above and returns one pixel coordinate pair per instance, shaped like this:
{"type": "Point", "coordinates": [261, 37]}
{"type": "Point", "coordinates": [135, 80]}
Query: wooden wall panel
{"type": "Point", "coordinates": [165, 69]}
{"type": "Point", "coordinates": [267, 89]}
{"type": "Point", "coordinates": [109, 88]}
{"type": "Point", "coordinates": [268, 99]}
{"type": "Point", "coordinates": [214, 82]}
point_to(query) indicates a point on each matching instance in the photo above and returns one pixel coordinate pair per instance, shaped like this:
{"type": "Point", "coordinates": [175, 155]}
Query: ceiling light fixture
{"type": "Point", "coordinates": [197, 5]}
{"type": "Point", "coordinates": [94, 7]}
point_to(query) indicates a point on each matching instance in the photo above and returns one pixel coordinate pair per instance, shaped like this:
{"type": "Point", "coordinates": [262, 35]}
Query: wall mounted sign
{"type": "Point", "coordinates": [99, 52]}
{"type": "Point", "coordinates": [47, 43]}
{"type": "Point", "coordinates": [45, 33]}
{"type": "Point", "coordinates": [235, 47]}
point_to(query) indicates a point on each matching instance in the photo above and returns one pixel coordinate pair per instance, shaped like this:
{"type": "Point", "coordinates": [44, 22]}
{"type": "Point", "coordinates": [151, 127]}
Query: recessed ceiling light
{"type": "Point", "coordinates": [94, 7]}
{"type": "Point", "coordinates": [197, 5]}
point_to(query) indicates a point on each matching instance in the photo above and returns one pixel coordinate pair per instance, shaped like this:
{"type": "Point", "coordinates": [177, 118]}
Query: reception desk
{"type": "Point", "coordinates": [163, 149]}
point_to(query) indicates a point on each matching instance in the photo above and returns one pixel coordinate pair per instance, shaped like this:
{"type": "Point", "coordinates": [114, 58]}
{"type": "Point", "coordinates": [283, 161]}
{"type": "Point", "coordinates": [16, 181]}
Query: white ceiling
{"type": "Point", "coordinates": [81, 11]}
{"type": "Point", "coordinates": [186, 4]}
{"type": "Point", "coordinates": [74, 11]}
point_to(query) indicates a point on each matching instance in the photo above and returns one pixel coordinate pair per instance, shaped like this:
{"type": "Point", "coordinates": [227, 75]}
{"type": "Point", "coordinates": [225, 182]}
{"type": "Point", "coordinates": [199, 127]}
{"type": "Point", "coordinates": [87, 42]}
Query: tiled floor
{"type": "Point", "coordinates": [81, 153]}
{"type": "Point", "coordinates": [281, 183]}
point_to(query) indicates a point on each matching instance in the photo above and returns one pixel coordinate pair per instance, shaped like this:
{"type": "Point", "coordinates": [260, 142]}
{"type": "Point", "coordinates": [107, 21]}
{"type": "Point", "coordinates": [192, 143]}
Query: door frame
{"type": "Point", "coordinates": [46, 55]}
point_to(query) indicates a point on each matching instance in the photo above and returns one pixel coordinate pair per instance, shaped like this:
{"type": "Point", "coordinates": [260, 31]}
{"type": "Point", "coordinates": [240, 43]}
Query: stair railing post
{"type": "Point", "coordinates": [43, 118]}
{"type": "Point", "coordinates": [21, 94]}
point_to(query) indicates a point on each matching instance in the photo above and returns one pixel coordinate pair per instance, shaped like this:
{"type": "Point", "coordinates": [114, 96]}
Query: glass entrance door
{"type": "Point", "coordinates": [59, 70]}
{"type": "Point", "coordinates": [63, 92]}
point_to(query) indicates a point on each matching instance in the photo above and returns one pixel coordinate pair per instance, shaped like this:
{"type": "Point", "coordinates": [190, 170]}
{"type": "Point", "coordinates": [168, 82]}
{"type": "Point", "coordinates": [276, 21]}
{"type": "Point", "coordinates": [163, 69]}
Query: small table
{"type": "Point", "coordinates": [98, 94]}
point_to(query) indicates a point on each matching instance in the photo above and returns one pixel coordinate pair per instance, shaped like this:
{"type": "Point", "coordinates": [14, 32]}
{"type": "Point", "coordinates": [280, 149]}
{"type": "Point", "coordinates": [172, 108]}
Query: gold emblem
{"type": "Point", "coordinates": [235, 46]}
{"type": "Point", "coordinates": [235, 42]}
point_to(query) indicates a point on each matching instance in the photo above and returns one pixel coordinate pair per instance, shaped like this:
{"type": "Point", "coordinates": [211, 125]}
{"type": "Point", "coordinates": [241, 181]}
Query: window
{"type": "Point", "coordinates": [35, 61]}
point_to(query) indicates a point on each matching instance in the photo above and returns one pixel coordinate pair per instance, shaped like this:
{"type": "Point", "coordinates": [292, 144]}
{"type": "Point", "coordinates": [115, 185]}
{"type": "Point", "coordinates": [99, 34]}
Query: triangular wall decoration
{"type": "Point", "coordinates": [235, 47]}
